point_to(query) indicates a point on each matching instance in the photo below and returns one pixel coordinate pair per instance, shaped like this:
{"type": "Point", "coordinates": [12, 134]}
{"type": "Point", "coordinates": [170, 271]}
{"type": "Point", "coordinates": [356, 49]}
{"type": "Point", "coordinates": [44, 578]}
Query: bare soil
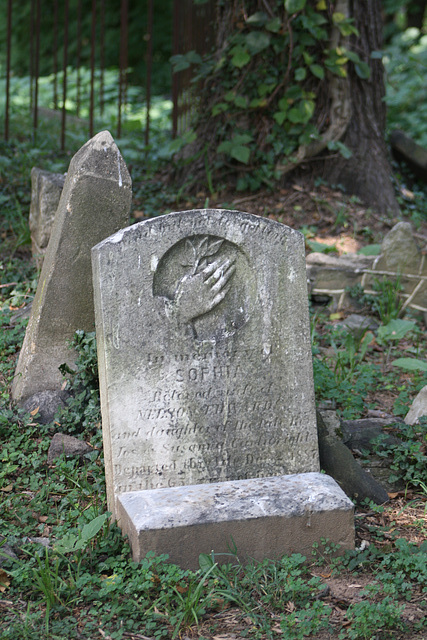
{"type": "Point", "coordinates": [334, 217]}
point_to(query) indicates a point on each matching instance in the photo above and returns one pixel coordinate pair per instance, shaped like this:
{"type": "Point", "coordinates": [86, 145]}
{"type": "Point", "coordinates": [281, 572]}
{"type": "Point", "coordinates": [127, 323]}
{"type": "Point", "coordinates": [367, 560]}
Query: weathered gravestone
{"type": "Point", "coordinates": [95, 203]}
{"type": "Point", "coordinates": [46, 189]}
{"type": "Point", "coordinates": [207, 397]}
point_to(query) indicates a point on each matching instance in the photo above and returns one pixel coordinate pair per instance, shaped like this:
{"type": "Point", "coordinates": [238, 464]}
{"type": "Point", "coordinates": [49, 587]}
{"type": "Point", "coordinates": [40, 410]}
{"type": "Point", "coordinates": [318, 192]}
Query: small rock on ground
{"type": "Point", "coordinates": [70, 446]}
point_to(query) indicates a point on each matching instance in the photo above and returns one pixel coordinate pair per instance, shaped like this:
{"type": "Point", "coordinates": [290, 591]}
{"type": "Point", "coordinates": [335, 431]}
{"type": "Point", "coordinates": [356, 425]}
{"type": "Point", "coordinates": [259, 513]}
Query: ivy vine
{"type": "Point", "coordinates": [275, 91]}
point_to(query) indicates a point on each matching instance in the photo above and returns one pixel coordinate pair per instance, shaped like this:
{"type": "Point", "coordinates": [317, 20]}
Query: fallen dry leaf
{"type": "Point", "coordinates": [8, 488]}
{"type": "Point", "coordinates": [4, 580]}
{"type": "Point", "coordinates": [181, 589]}
{"type": "Point", "coordinates": [34, 411]}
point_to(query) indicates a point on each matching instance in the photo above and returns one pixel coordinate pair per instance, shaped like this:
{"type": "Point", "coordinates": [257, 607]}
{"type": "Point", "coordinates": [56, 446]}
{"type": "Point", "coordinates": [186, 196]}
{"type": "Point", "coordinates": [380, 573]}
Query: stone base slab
{"type": "Point", "coordinates": [262, 517]}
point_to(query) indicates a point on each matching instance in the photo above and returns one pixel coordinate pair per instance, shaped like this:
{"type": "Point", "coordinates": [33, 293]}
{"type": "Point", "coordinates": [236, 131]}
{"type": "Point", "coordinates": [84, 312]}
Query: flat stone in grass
{"type": "Point", "coordinates": [95, 203]}
{"type": "Point", "coordinates": [205, 373]}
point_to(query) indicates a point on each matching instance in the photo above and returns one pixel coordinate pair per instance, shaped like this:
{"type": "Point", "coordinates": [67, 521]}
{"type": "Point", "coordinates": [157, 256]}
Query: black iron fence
{"type": "Point", "coordinates": [75, 42]}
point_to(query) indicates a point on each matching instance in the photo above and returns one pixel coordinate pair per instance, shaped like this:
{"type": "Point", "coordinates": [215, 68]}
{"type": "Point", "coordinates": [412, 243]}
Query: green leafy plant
{"type": "Point", "coordinates": [350, 350]}
{"type": "Point", "coordinates": [244, 80]}
{"type": "Point", "coordinates": [408, 458]}
{"type": "Point", "coordinates": [395, 330]}
{"type": "Point", "coordinates": [76, 542]}
{"type": "Point", "coordinates": [405, 61]}
{"type": "Point", "coordinates": [49, 582]}
{"type": "Point", "coordinates": [384, 300]}
{"type": "Point", "coordinates": [309, 620]}
{"type": "Point", "coordinates": [83, 411]}
{"type": "Point", "coordinates": [345, 376]}
{"type": "Point", "coordinates": [194, 602]}
{"type": "Point", "coordinates": [410, 364]}
{"type": "Point", "coordinates": [368, 618]}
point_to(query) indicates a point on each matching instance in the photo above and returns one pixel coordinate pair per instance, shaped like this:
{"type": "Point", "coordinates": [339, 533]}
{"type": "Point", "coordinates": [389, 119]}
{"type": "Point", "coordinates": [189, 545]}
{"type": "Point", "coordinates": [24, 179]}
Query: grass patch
{"type": "Point", "coordinates": [85, 585]}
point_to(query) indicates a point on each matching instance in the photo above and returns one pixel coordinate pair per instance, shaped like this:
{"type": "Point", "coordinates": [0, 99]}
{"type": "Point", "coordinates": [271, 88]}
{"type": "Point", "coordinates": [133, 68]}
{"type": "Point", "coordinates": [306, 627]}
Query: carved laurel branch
{"type": "Point", "coordinates": [196, 253]}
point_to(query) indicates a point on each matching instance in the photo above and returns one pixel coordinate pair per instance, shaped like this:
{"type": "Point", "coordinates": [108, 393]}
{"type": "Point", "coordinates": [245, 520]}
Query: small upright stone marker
{"type": "Point", "coordinates": [95, 203]}
{"type": "Point", "coordinates": [46, 189]}
{"type": "Point", "coordinates": [206, 388]}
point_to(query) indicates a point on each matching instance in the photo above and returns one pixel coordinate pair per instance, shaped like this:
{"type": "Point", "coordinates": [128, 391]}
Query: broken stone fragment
{"type": "Point", "coordinates": [399, 251]}
{"type": "Point", "coordinates": [67, 445]}
{"type": "Point", "coordinates": [418, 407]}
{"type": "Point", "coordinates": [45, 404]}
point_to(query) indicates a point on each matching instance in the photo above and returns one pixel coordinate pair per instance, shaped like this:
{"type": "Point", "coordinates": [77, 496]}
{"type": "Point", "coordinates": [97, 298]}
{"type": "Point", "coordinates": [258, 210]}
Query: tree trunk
{"type": "Point", "coordinates": [347, 109]}
{"type": "Point", "coordinates": [367, 173]}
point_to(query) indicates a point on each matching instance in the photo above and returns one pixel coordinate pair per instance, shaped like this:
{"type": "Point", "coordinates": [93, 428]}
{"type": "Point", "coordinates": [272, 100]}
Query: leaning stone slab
{"type": "Point", "coordinates": [262, 517]}
{"type": "Point", "coordinates": [95, 203]}
{"type": "Point", "coordinates": [337, 460]}
{"type": "Point", "coordinates": [46, 189]}
{"type": "Point", "coordinates": [204, 352]}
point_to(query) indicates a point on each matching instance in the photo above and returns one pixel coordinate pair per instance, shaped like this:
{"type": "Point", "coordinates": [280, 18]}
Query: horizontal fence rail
{"type": "Point", "coordinates": [65, 45]}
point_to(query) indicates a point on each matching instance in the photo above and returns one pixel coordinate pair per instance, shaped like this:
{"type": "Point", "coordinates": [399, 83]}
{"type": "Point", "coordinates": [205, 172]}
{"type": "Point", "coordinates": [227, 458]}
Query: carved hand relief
{"type": "Point", "coordinates": [205, 281]}
{"type": "Point", "coordinates": [205, 286]}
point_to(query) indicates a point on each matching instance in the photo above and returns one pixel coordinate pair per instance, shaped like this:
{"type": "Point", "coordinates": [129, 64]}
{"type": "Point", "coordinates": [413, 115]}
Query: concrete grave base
{"type": "Point", "coordinates": [263, 517]}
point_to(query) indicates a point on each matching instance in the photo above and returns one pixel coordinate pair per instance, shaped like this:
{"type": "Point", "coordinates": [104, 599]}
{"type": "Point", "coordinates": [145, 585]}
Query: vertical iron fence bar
{"type": "Point", "coordinates": [188, 42]}
{"type": "Point", "coordinates": [55, 54]}
{"type": "Point", "coordinates": [149, 68]}
{"type": "Point", "coordinates": [126, 60]}
{"type": "Point", "coordinates": [64, 79]}
{"type": "Point", "coordinates": [36, 68]}
{"type": "Point", "coordinates": [92, 68]}
{"type": "Point", "coordinates": [175, 82]}
{"type": "Point", "coordinates": [32, 12]}
{"type": "Point", "coordinates": [123, 63]}
{"type": "Point", "coordinates": [79, 54]}
{"type": "Point", "coordinates": [8, 52]}
{"type": "Point", "coordinates": [102, 57]}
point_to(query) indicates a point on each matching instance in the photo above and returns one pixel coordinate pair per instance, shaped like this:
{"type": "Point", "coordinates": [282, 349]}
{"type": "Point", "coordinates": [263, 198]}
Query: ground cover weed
{"type": "Point", "coordinates": [343, 376]}
{"type": "Point", "coordinates": [82, 412]}
{"type": "Point", "coordinates": [384, 302]}
{"type": "Point", "coordinates": [297, 625]}
{"type": "Point", "coordinates": [367, 619]}
{"type": "Point", "coordinates": [88, 579]}
{"type": "Point", "coordinates": [408, 458]}
{"type": "Point", "coordinates": [193, 601]}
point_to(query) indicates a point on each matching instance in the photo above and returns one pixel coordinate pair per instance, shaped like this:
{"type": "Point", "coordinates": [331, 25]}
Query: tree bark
{"type": "Point", "coordinates": [349, 109]}
{"type": "Point", "coordinates": [367, 173]}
